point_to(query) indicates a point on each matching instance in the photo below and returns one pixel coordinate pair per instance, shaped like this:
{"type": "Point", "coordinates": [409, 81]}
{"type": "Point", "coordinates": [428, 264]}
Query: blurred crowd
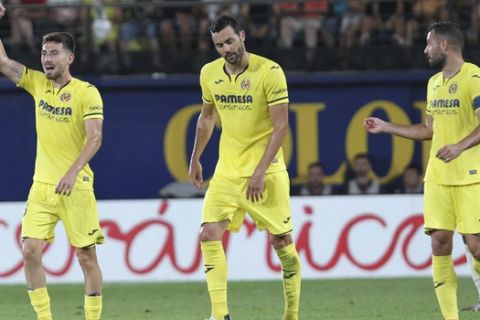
{"type": "Point", "coordinates": [118, 36]}
{"type": "Point", "coordinates": [360, 179]}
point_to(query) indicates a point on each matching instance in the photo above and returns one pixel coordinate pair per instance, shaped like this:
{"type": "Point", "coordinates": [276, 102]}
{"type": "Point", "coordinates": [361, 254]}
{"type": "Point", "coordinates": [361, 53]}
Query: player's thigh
{"type": "Point", "coordinates": [222, 202]}
{"type": "Point", "coordinates": [467, 204]}
{"type": "Point", "coordinates": [40, 215]}
{"type": "Point", "coordinates": [438, 208]}
{"type": "Point", "coordinates": [79, 215]}
{"type": "Point", "coordinates": [273, 211]}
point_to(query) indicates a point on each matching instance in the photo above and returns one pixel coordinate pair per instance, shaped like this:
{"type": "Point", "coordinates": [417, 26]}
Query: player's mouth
{"type": "Point", "coordinates": [49, 68]}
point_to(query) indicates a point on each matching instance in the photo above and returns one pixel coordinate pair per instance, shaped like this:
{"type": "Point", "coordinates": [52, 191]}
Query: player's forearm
{"type": "Point", "coordinates": [472, 140]}
{"type": "Point", "coordinates": [414, 132]}
{"type": "Point", "coordinates": [10, 68]}
{"type": "Point", "coordinates": [205, 126]}
{"type": "Point", "coordinates": [91, 147]}
{"type": "Point", "coordinates": [276, 141]}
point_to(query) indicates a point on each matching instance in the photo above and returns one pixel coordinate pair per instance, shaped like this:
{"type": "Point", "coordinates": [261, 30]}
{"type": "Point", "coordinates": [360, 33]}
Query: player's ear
{"type": "Point", "coordinates": [71, 57]}
{"type": "Point", "coordinates": [242, 35]}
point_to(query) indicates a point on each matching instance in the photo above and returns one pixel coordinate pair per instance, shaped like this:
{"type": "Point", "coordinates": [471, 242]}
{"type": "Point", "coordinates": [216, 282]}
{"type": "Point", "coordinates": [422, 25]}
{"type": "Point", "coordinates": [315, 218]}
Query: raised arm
{"type": "Point", "coordinates": [205, 125]}
{"type": "Point", "coordinates": [10, 68]}
{"type": "Point", "coordinates": [413, 131]}
{"type": "Point", "coordinates": [93, 128]}
{"type": "Point", "coordinates": [279, 116]}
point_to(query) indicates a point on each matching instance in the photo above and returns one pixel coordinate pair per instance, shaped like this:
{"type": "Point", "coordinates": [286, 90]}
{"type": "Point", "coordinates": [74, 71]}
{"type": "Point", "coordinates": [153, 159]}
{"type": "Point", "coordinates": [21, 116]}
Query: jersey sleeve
{"type": "Point", "coordinates": [275, 85]}
{"type": "Point", "coordinates": [206, 95]}
{"type": "Point", "coordinates": [474, 89]}
{"type": "Point", "coordinates": [31, 81]}
{"type": "Point", "coordinates": [429, 108]}
{"type": "Point", "coordinates": [92, 104]}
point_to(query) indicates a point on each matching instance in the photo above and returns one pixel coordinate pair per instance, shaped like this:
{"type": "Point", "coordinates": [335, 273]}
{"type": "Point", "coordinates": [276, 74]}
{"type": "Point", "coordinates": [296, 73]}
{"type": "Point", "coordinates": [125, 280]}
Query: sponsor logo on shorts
{"type": "Point", "coordinates": [286, 220]}
{"type": "Point", "coordinates": [91, 233]}
{"type": "Point", "coordinates": [472, 171]}
{"type": "Point", "coordinates": [85, 178]}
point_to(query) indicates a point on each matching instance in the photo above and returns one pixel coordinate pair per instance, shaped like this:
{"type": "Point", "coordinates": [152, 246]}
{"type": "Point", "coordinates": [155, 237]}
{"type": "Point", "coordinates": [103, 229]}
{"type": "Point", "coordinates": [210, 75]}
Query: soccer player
{"type": "Point", "coordinates": [452, 179]}
{"type": "Point", "coordinates": [248, 94]}
{"type": "Point", "coordinates": [69, 117]}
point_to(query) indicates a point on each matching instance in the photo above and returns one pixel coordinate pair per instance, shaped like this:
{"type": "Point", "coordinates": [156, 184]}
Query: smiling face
{"type": "Point", "coordinates": [55, 59]}
{"type": "Point", "coordinates": [229, 44]}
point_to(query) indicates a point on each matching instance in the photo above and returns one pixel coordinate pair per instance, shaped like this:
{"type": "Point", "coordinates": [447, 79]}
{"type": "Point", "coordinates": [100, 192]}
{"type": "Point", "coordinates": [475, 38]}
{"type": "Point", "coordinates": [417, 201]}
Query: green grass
{"type": "Point", "coordinates": [405, 298]}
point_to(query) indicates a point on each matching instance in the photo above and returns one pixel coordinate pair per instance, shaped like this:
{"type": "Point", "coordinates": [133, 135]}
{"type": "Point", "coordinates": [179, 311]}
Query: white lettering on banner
{"type": "Point", "coordinates": [153, 240]}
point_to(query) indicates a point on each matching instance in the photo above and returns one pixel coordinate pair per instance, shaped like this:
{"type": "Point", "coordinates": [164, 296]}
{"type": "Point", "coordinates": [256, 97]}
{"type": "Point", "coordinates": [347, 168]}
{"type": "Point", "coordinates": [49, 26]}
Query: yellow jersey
{"type": "Point", "coordinates": [242, 103]}
{"type": "Point", "coordinates": [453, 104]}
{"type": "Point", "coordinates": [60, 114]}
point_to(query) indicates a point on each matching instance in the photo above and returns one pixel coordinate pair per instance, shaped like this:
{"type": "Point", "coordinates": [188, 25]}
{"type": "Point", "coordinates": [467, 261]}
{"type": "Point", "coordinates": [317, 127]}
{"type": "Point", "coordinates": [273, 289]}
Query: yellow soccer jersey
{"type": "Point", "coordinates": [453, 104]}
{"type": "Point", "coordinates": [243, 103]}
{"type": "Point", "coordinates": [60, 114]}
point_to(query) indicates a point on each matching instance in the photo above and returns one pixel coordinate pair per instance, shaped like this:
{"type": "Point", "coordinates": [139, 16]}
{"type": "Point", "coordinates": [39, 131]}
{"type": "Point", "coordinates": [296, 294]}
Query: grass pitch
{"type": "Point", "coordinates": [392, 299]}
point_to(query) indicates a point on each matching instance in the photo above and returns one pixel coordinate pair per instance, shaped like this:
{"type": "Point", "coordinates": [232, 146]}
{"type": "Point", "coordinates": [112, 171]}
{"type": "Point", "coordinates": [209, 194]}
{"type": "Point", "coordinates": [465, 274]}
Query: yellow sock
{"type": "Point", "coordinates": [445, 282]}
{"type": "Point", "coordinates": [93, 307]}
{"type": "Point", "coordinates": [291, 280]}
{"type": "Point", "coordinates": [215, 264]}
{"type": "Point", "coordinates": [41, 303]}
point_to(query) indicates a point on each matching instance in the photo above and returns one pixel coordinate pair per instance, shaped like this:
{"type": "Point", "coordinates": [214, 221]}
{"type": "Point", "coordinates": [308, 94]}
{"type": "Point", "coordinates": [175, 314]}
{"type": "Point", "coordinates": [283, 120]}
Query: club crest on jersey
{"type": "Point", "coordinates": [453, 88]}
{"type": "Point", "coordinates": [66, 96]}
{"type": "Point", "coordinates": [245, 84]}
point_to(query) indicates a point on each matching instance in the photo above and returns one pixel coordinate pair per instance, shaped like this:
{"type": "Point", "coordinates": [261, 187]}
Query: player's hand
{"type": "Point", "coordinates": [2, 10]}
{"type": "Point", "coordinates": [196, 173]}
{"type": "Point", "coordinates": [374, 125]}
{"type": "Point", "coordinates": [65, 185]}
{"type": "Point", "coordinates": [449, 152]}
{"type": "Point", "coordinates": [255, 186]}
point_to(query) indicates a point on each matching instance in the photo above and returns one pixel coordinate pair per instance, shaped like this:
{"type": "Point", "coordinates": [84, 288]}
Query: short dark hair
{"type": "Point", "coordinates": [316, 165]}
{"type": "Point", "coordinates": [362, 156]}
{"type": "Point", "coordinates": [451, 31]}
{"type": "Point", "coordinates": [64, 38]}
{"type": "Point", "coordinates": [223, 21]}
{"type": "Point", "coordinates": [414, 166]}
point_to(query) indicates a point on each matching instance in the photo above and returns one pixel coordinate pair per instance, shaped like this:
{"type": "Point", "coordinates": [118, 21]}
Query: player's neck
{"type": "Point", "coordinates": [62, 80]}
{"type": "Point", "coordinates": [453, 65]}
{"type": "Point", "coordinates": [234, 69]}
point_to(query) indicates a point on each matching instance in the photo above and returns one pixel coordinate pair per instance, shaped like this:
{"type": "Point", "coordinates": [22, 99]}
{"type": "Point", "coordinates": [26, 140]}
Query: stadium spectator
{"type": "Point", "coordinates": [63, 181]}
{"type": "Point", "coordinates": [384, 22]}
{"type": "Point", "coordinates": [315, 185]}
{"type": "Point", "coordinates": [362, 181]}
{"type": "Point", "coordinates": [21, 24]}
{"type": "Point", "coordinates": [105, 29]}
{"type": "Point", "coordinates": [412, 180]}
{"type": "Point", "coordinates": [308, 17]}
{"type": "Point", "coordinates": [250, 175]}
{"type": "Point", "coordinates": [452, 182]}
{"type": "Point", "coordinates": [137, 21]}
{"type": "Point", "coordinates": [424, 13]}
{"type": "Point", "coordinates": [260, 23]}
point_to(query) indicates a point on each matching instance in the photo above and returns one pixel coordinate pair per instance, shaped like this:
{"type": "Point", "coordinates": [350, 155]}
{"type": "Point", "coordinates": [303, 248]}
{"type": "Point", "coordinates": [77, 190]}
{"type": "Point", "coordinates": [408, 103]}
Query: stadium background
{"type": "Point", "coordinates": [148, 134]}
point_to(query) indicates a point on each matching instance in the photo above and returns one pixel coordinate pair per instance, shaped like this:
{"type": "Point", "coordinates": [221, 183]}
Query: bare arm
{"type": "Point", "coordinates": [279, 116]}
{"type": "Point", "coordinates": [10, 68]}
{"type": "Point", "coordinates": [93, 128]}
{"type": "Point", "coordinates": [413, 131]}
{"type": "Point", "coordinates": [205, 125]}
{"type": "Point", "coordinates": [451, 151]}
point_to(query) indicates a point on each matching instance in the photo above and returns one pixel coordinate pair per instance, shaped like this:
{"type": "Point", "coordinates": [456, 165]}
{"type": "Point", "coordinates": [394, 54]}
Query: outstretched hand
{"type": "Point", "coordinates": [2, 10]}
{"type": "Point", "coordinates": [374, 125]}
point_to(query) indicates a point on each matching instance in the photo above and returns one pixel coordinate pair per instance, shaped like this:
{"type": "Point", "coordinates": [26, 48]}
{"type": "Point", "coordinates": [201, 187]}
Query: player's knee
{"type": "Point", "coordinates": [86, 260]}
{"type": "Point", "coordinates": [279, 242]}
{"type": "Point", "coordinates": [212, 231]}
{"type": "Point", "coordinates": [31, 252]}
